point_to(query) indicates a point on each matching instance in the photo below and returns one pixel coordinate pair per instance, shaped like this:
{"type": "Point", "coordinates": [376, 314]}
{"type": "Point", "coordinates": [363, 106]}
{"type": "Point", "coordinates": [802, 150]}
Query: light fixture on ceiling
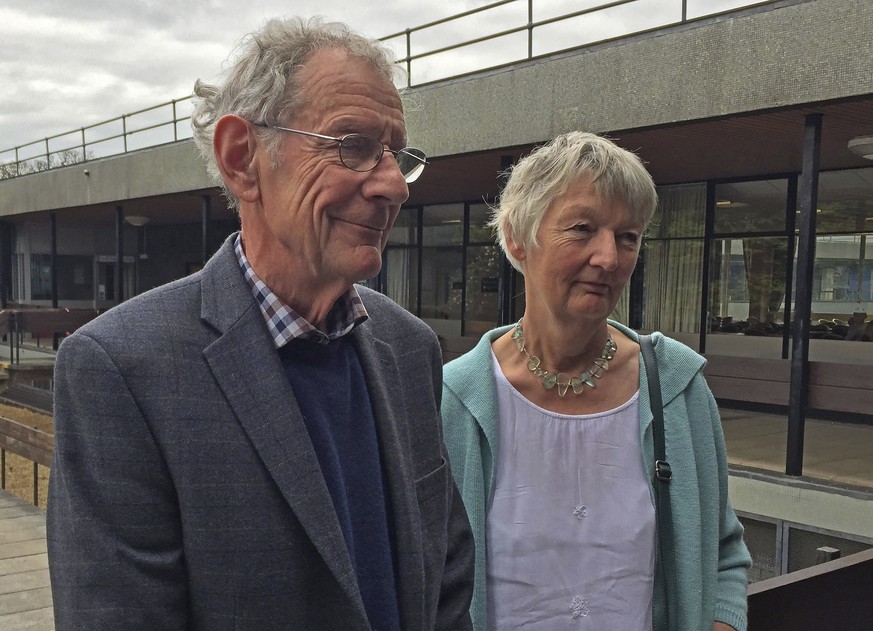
{"type": "Point", "coordinates": [862, 146]}
{"type": "Point", "coordinates": [136, 220]}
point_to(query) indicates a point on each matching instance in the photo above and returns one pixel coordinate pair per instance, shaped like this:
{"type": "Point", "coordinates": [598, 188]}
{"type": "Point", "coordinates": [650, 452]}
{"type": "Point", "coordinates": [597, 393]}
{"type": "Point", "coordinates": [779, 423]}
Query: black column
{"type": "Point", "coordinates": [798, 398]}
{"type": "Point", "coordinates": [54, 261]}
{"type": "Point", "coordinates": [54, 270]}
{"type": "Point", "coordinates": [6, 254]}
{"type": "Point", "coordinates": [119, 254]}
{"type": "Point", "coordinates": [708, 231]}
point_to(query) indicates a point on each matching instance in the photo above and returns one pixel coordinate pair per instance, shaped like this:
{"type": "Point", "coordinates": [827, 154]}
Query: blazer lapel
{"type": "Point", "coordinates": [247, 368]}
{"type": "Point", "coordinates": [380, 371]}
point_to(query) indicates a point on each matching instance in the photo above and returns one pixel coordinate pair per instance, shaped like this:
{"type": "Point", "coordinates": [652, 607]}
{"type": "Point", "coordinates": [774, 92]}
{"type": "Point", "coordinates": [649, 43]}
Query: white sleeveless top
{"type": "Point", "coordinates": [571, 524]}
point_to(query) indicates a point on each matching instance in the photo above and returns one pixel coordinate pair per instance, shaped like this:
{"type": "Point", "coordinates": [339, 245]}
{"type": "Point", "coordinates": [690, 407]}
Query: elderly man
{"type": "Point", "coordinates": [258, 446]}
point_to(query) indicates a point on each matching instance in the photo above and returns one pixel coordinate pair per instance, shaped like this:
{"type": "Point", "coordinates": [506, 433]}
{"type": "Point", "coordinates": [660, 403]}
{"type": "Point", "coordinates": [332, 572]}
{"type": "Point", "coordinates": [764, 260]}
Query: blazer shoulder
{"type": "Point", "coordinates": [388, 318]}
{"type": "Point", "coordinates": [166, 299]}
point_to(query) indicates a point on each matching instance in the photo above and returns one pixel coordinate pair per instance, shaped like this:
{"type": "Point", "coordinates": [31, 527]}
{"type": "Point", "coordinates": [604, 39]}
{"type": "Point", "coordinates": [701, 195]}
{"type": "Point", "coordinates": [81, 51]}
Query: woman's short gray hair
{"type": "Point", "coordinates": [260, 84]}
{"type": "Point", "coordinates": [546, 174]}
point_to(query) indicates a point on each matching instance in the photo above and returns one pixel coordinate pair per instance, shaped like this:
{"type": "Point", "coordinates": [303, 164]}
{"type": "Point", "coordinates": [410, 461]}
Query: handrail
{"type": "Point", "coordinates": [82, 151]}
{"type": "Point", "coordinates": [29, 443]}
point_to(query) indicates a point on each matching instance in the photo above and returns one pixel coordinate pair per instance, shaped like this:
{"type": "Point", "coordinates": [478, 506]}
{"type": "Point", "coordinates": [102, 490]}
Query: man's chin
{"type": "Point", "coordinates": [368, 267]}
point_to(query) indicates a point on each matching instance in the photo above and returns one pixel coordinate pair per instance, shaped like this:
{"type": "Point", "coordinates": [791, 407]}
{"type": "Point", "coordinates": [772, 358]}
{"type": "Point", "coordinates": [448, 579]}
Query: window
{"type": "Point", "coordinates": [673, 253]}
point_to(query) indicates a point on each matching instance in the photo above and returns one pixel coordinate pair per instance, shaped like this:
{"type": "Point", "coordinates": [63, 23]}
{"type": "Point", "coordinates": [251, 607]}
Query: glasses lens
{"type": "Point", "coordinates": [411, 162]}
{"type": "Point", "coordinates": [360, 153]}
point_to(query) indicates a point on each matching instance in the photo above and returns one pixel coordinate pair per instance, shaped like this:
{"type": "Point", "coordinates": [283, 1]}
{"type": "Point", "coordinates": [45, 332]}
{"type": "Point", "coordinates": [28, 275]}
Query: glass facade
{"type": "Point", "coordinates": [442, 265]}
{"type": "Point", "coordinates": [673, 261]}
{"type": "Point", "coordinates": [717, 268]}
{"type": "Point", "coordinates": [75, 277]}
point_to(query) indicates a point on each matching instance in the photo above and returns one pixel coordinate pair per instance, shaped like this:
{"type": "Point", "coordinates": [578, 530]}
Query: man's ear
{"type": "Point", "coordinates": [235, 149]}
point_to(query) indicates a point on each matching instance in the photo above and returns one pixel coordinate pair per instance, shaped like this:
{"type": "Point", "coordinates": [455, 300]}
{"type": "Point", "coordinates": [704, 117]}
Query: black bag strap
{"type": "Point", "coordinates": [662, 476]}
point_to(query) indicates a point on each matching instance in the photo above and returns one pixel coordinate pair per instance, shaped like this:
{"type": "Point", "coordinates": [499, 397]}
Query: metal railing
{"type": "Point", "coordinates": [504, 32]}
{"type": "Point", "coordinates": [28, 443]}
{"type": "Point", "coordinates": [148, 127]}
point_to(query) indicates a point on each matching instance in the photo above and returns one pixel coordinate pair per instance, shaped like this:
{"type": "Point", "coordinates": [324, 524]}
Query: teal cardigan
{"type": "Point", "coordinates": [711, 557]}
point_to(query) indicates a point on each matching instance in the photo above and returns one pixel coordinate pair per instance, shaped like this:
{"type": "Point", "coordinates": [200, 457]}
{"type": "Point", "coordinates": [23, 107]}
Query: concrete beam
{"type": "Point", "coordinates": [774, 57]}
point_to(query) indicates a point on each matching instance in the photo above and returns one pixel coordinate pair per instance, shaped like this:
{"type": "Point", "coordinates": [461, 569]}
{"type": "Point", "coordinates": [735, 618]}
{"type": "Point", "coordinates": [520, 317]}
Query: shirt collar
{"type": "Point", "coordinates": [285, 324]}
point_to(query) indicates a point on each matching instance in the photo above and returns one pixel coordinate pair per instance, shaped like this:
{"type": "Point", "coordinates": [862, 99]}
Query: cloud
{"type": "Point", "coordinates": [72, 64]}
{"type": "Point", "coordinates": [68, 64]}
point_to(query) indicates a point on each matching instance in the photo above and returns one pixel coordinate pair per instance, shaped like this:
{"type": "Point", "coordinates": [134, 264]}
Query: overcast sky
{"type": "Point", "coordinates": [65, 64]}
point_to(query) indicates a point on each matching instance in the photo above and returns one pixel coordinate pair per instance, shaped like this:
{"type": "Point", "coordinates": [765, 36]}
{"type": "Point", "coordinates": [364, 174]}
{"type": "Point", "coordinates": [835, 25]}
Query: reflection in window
{"type": "Point", "coordinates": [674, 262]}
{"type": "Point", "coordinates": [75, 277]}
{"type": "Point", "coordinates": [757, 206]}
{"type": "Point", "coordinates": [442, 289]}
{"type": "Point", "coordinates": [443, 224]}
{"type": "Point", "coordinates": [845, 202]}
{"type": "Point", "coordinates": [40, 277]}
{"type": "Point", "coordinates": [842, 289]}
{"type": "Point", "coordinates": [405, 230]}
{"type": "Point", "coordinates": [747, 285]}
{"type": "Point", "coordinates": [483, 282]}
{"type": "Point", "coordinates": [480, 215]}
{"type": "Point", "coordinates": [401, 273]}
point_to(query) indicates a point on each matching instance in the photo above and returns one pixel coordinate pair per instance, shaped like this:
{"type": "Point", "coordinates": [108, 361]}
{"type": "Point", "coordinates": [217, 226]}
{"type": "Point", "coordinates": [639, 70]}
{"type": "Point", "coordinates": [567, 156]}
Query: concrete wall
{"type": "Point", "coordinates": [800, 502]}
{"type": "Point", "coordinates": [172, 168]}
{"type": "Point", "coordinates": [799, 53]}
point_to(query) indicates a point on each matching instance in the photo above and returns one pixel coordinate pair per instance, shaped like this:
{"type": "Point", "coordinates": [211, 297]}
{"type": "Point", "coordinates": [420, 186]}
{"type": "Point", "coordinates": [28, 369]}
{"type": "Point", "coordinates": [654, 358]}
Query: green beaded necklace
{"type": "Point", "coordinates": [563, 381]}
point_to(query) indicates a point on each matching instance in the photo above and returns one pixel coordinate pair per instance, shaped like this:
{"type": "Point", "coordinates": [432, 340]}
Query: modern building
{"type": "Point", "coordinates": [756, 123]}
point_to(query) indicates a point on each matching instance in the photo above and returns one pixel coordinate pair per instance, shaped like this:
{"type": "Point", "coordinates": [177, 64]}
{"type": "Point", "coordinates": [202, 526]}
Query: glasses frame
{"type": "Point", "coordinates": [406, 151]}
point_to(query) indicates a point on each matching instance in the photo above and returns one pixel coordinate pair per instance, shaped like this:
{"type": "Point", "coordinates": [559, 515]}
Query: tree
{"type": "Point", "coordinates": [53, 160]}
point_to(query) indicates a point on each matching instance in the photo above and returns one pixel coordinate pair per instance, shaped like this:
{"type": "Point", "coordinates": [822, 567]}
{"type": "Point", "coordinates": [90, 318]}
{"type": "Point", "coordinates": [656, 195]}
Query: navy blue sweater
{"type": "Point", "coordinates": [329, 385]}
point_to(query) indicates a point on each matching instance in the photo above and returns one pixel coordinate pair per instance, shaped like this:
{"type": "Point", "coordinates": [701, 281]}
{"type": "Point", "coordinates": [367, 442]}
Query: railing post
{"type": "Point", "coordinates": [175, 128]}
{"type": "Point", "coordinates": [48, 155]}
{"type": "Point", "coordinates": [119, 254]}
{"type": "Point", "coordinates": [684, 11]}
{"type": "Point", "coordinates": [124, 130]}
{"type": "Point", "coordinates": [17, 163]}
{"type": "Point", "coordinates": [84, 150]}
{"type": "Point", "coordinates": [408, 58]}
{"type": "Point", "coordinates": [530, 29]}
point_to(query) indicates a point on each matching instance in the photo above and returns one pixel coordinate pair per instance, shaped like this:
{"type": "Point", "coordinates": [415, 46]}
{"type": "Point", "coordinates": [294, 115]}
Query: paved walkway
{"type": "Point", "coordinates": [25, 596]}
{"type": "Point", "coordinates": [839, 453]}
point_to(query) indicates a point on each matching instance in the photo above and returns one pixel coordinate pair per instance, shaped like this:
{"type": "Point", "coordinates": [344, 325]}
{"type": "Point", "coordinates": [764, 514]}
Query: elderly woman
{"type": "Point", "coordinates": [549, 426]}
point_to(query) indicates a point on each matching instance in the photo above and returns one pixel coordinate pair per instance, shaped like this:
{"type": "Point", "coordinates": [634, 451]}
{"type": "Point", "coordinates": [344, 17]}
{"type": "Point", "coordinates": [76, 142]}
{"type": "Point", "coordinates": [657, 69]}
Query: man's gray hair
{"type": "Point", "coordinates": [550, 170]}
{"type": "Point", "coordinates": [261, 84]}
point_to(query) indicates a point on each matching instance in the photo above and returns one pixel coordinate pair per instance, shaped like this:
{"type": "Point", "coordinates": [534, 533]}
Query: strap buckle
{"type": "Point", "coordinates": [663, 472]}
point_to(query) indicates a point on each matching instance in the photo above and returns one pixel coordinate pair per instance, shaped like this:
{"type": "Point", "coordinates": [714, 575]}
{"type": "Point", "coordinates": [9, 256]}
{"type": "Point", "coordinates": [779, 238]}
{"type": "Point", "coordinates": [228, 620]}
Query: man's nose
{"type": "Point", "coordinates": [387, 181]}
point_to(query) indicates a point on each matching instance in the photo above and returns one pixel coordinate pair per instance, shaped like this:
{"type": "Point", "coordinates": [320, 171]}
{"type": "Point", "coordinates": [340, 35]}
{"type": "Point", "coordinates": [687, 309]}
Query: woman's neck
{"type": "Point", "coordinates": [564, 346]}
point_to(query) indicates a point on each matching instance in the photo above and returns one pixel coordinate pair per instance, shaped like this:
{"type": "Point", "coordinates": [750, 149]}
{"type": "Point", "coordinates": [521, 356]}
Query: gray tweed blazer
{"type": "Point", "coordinates": [185, 492]}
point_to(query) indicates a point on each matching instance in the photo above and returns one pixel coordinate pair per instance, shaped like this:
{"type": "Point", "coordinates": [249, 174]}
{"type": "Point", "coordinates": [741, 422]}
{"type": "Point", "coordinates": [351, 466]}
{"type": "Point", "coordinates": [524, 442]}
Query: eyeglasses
{"type": "Point", "coordinates": [362, 153]}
